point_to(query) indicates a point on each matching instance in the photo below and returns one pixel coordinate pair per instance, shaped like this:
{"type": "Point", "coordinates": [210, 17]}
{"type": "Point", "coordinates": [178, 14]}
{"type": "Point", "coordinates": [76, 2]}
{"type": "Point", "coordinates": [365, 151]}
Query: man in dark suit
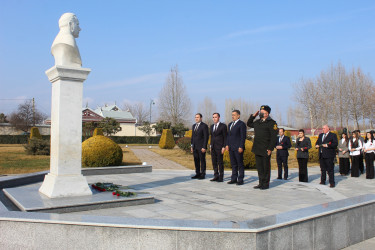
{"type": "Point", "coordinates": [282, 146]}
{"type": "Point", "coordinates": [265, 130]}
{"type": "Point", "coordinates": [218, 140]}
{"type": "Point", "coordinates": [236, 146]}
{"type": "Point", "coordinates": [327, 144]}
{"type": "Point", "coordinates": [199, 140]}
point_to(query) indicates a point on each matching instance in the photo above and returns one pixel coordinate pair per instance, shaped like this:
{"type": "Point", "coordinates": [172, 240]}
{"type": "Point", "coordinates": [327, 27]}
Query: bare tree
{"type": "Point", "coordinates": [337, 97]}
{"type": "Point", "coordinates": [138, 111]}
{"type": "Point", "coordinates": [207, 108]}
{"type": "Point", "coordinates": [174, 103]}
{"type": "Point", "coordinates": [26, 116]}
{"type": "Point", "coordinates": [307, 95]}
{"type": "Point", "coordinates": [246, 109]}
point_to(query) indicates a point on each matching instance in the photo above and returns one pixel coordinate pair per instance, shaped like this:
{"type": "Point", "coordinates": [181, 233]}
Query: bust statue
{"type": "Point", "coordinates": [64, 47]}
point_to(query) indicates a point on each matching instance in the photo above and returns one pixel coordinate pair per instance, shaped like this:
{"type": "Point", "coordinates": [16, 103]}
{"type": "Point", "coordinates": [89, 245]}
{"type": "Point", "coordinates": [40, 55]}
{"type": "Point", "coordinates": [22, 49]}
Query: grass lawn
{"type": "Point", "coordinates": [187, 160]}
{"type": "Point", "coordinates": [14, 160]}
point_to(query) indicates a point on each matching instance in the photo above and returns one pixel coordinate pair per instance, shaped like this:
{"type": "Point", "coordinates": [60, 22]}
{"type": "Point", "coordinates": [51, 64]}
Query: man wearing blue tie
{"type": "Point", "coordinates": [236, 145]}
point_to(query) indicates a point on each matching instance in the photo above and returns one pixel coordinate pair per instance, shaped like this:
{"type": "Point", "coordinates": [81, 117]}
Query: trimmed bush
{"type": "Point", "coordinates": [188, 133]}
{"type": "Point", "coordinates": [100, 151]}
{"type": "Point", "coordinates": [37, 147]}
{"type": "Point", "coordinates": [313, 152]}
{"type": "Point", "coordinates": [167, 140]}
{"type": "Point", "coordinates": [34, 133]}
{"type": "Point", "coordinates": [287, 133]}
{"type": "Point", "coordinates": [184, 143]}
{"type": "Point", "coordinates": [248, 157]}
{"type": "Point", "coordinates": [337, 134]}
{"type": "Point", "coordinates": [98, 131]}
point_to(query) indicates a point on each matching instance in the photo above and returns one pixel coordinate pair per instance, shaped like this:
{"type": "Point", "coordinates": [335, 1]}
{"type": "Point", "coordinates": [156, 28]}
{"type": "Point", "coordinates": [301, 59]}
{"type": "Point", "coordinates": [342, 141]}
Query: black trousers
{"type": "Point", "coordinates": [238, 169]}
{"type": "Point", "coordinates": [302, 165]}
{"type": "Point", "coordinates": [263, 164]}
{"type": "Point", "coordinates": [344, 166]}
{"type": "Point", "coordinates": [355, 166]}
{"type": "Point", "coordinates": [369, 158]}
{"type": "Point", "coordinates": [217, 163]}
{"type": "Point", "coordinates": [282, 160]}
{"type": "Point", "coordinates": [327, 166]}
{"type": "Point", "coordinates": [200, 162]}
{"type": "Point", "coordinates": [361, 165]}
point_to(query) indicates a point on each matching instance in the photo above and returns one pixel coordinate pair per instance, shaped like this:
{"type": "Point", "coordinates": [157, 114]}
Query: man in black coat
{"type": "Point", "coordinates": [218, 140]}
{"type": "Point", "coordinates": [236, 146]}
{"type": "Point", "coordinates": [199, 140]}
{"type": "Point", "coordinates": [327, 144]}
{"type": "Point", "coordinates": [265, 130]}
{"type": "Point", "coordinates": [282, 146]}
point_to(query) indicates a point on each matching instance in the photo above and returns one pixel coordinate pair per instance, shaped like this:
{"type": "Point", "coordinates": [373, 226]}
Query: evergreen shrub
{"type": "Point", "coordinates": [166, 139]}
{"type": "Point", "coordinates": [100, 151]}
{"type": "Point", "coordinates": [98, 131]}
{"type": "Point", "coordinates": [184, 143]}
{"type": "Point", "coordinates": [37, 146]}
{"type": "Point", "coordinates": [34, 133]}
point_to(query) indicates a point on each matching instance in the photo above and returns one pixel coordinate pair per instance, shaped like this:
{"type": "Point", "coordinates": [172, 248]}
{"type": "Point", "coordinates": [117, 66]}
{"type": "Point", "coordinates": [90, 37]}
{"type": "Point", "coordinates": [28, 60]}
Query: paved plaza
{"type": "Point", "coordinates": [179, 197]}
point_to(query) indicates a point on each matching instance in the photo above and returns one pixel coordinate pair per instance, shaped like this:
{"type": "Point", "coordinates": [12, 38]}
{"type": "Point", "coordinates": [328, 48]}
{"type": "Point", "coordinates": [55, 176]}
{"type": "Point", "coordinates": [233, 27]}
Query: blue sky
{"type": "Point", "coordinates": [254, 50]}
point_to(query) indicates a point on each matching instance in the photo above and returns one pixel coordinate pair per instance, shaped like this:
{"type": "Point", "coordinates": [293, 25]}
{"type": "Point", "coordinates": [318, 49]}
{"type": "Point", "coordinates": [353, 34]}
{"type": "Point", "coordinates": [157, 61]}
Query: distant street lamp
{"type": "Point", "coordinates": [151, 103]}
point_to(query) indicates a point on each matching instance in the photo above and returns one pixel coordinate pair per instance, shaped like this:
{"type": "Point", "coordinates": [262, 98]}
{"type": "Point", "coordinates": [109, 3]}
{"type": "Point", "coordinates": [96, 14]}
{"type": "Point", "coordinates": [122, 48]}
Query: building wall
{"type": "Point", "coordinates": [129, 129]}
{"type": "Point", "coordinates": [8, 129]}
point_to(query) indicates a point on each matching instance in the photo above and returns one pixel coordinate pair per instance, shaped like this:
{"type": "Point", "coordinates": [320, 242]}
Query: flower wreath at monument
{"type": "Point", "coordinates": [110, 187]}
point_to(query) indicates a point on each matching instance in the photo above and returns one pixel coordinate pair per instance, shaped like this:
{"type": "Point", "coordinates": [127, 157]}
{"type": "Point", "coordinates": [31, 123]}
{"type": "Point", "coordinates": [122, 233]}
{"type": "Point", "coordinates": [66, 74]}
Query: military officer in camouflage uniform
{"type": "Point", "coordinates": [265, 130]}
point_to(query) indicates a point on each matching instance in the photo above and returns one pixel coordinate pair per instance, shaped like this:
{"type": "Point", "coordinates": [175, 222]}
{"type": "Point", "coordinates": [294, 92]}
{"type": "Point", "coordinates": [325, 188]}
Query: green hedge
{"type": "Point", "coordinates": [135, 139]}
{"type": "Point", "coordinates": [18, 139]}
{"type": "Point", "coordinates": [23, 139]}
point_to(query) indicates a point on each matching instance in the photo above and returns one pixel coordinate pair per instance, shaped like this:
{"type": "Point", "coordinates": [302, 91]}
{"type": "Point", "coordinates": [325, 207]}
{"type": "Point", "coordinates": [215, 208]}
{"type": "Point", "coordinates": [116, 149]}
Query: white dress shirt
{"type": "Point", "coordinates": [357, 150]}
{"type": "Point", "coordinates": [369, 144]}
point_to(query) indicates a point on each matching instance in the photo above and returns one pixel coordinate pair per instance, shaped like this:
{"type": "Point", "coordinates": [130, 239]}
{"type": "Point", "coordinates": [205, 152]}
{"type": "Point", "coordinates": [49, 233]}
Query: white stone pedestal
{"type": "Point", "coordinates": [65, 177]}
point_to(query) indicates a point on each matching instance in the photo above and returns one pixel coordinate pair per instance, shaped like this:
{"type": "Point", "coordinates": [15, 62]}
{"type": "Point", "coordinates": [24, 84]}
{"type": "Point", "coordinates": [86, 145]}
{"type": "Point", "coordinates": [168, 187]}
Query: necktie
{"type": "Point", "coordinates": [324, 136]}
{"type": "Point", "coordinates": [196, 127]}
{"type": "Point", "coordinates": [215, 127]}
{"type": "Point", "coordinates": [231, 126]}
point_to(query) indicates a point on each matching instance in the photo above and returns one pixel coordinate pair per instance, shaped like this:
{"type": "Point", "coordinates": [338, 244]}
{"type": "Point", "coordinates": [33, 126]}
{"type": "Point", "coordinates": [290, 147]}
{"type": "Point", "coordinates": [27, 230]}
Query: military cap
{"type": "Point", "coordinates": [266, 108]}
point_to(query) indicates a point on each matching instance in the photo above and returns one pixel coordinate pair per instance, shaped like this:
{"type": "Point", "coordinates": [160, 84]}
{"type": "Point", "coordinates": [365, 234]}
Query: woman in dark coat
{"type": "Point", "coordinates": [303, 144]}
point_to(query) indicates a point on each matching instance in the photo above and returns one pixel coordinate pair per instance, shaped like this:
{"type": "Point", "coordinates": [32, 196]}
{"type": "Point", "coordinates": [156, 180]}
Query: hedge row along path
{"type": "Point", "coordinates": [154, 159]}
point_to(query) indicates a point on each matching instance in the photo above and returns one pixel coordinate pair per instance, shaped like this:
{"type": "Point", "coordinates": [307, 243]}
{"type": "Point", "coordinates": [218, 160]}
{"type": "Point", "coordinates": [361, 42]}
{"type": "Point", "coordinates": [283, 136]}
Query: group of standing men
{"type": "Point", "coordinates": [232, 138]}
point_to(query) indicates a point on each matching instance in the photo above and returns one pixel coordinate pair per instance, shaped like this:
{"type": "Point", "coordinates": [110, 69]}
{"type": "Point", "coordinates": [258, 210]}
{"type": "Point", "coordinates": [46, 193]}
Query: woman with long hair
{"type": "Point", "coordinates": [355, 147]}
{"type": "Point", "coordinates": [369, 148]}
{"type": "Point", "coordinates": [303, 144]}
{"type": "Point", "coordinates": [344, 154]}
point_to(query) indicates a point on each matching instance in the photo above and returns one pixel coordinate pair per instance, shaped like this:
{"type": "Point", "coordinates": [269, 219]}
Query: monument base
{"type": "Point", "coordinates": [64, 186]}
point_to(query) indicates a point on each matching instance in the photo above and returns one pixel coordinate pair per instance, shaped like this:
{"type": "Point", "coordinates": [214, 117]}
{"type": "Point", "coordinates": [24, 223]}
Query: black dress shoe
{"type": "Point", "coordinates": [285, 178]}
{"type": "Point", "coordinates": [202, 177]}
{"type": "Point", "coordinates": [257, 186]}
{"type": "Point", "coordinates": [331, 185]}
{"type": "Point", "coordinates": [263, 188]}
{"type": "Point", "coordinates": [239, 183]}
{"type": "Point", "coordinates": [220, 180]}
{"type": "Point", "coordinates": [231, 182]}
{"type": "Point", "coordinates": [279, 178]}
{"type": "Point", "coordinates": [195, 176]}
{"type": "Point", "coordinates": [215, 179]}
{"type": "Point", "coordinates": [322, 183]}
